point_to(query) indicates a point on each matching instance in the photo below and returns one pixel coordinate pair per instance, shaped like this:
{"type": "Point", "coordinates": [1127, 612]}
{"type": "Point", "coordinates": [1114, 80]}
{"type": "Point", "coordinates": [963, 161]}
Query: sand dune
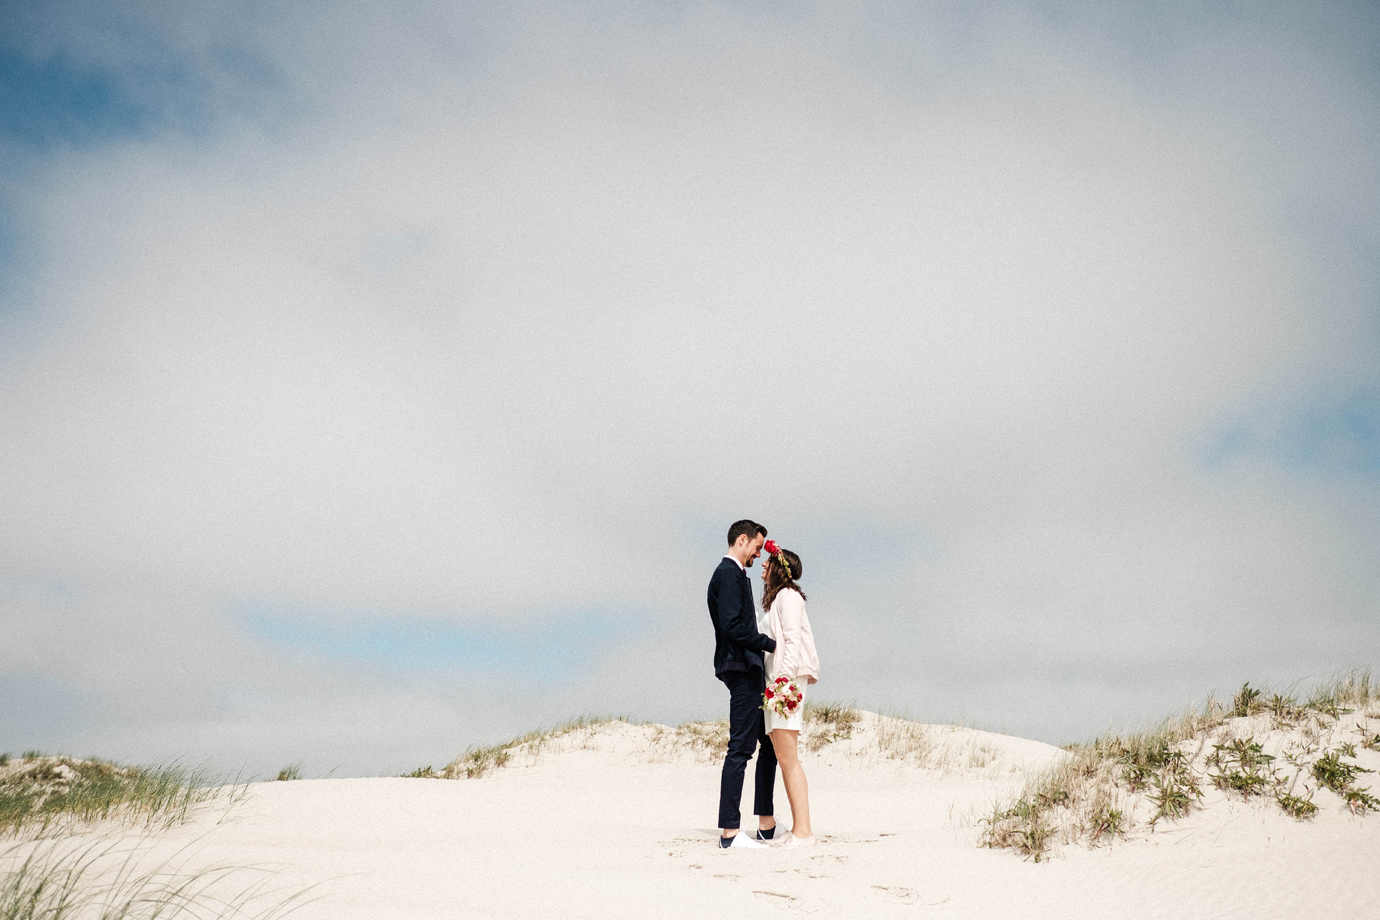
{"type": "Point", "coordinates": [616, 820]}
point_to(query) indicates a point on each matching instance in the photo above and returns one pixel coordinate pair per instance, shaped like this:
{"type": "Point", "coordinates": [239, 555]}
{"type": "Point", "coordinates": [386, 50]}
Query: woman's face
{"type": "Point", "coordinates": [765, 565]}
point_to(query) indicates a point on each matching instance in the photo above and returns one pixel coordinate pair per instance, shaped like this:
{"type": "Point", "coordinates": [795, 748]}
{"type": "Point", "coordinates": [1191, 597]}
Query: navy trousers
{"type": "Point", "coordinates": [746, 732]}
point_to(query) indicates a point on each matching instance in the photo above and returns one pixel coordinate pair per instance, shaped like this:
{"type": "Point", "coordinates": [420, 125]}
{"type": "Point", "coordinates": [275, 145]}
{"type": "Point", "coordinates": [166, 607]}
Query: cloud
{"type": "Point", "coordinates": [546, 655]}
{"type": "Point", "coordinates": [490, 322]}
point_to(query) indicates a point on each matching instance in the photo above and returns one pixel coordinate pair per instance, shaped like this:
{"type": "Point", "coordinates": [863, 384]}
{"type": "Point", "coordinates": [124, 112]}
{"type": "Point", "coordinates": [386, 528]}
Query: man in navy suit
{"type": "Point", "coordinates": [738, 649]}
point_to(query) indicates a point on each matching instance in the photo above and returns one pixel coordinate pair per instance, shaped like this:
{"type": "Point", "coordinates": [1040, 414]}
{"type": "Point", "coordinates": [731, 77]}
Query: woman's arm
{"type": "Point", "coordinates": [790, 610]}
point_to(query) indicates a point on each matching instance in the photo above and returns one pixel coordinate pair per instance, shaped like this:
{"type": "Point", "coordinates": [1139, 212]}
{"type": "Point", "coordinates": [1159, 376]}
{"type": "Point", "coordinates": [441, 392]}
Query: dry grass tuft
{"type": "Point", "coordinates": [901, 739]}
{"type": "Point", "coordinates": [46, 793]}
{"type": "Point", "coordinates": [1096, 795]}
{"type": "Point", "coordinates": [59, 879]}
{"type": "Point", "coordinates": [478, 761]}
{"type": "Point", "coordinates": [825, 723]}
{"type": "Point", "coordinates": [707, 740]}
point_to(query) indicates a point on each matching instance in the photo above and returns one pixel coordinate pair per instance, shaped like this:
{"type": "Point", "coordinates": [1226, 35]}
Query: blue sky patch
{"type": "Point", "coordinates": [1338, 436]}
{"type": "Point", "coordinates": [48, 102]}
{"type": "Point", "coordinates": [8, 250]}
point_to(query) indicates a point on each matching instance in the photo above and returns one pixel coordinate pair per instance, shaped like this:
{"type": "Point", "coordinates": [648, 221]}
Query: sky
{"type": "Point", "coordinates": [381, 379]}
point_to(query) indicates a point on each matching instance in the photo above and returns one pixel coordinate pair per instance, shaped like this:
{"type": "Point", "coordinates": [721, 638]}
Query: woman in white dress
{"type": "Point", "coordinates": [785, 621]}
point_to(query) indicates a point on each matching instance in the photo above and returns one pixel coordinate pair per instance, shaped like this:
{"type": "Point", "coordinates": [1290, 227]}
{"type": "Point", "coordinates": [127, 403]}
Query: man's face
{"type": "Point", "coordinates": [754, 549]}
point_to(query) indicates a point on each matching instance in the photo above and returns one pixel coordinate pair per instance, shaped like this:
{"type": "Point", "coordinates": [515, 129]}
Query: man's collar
{"type": "Point", "coordinates": [736, 562]}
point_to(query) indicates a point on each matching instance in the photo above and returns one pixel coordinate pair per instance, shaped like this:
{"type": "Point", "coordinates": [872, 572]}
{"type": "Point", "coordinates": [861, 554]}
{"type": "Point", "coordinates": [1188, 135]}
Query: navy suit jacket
{"type": "Point", "coordinates": [738, 645]}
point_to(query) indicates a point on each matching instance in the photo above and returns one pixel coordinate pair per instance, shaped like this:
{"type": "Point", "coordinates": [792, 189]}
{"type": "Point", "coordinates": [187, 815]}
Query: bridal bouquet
{"type": "Point", "coordinates": [782, 697]}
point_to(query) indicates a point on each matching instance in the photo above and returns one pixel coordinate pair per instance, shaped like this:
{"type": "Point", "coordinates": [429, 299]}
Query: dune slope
{"type": "Point", "coordinates": [615, 820]}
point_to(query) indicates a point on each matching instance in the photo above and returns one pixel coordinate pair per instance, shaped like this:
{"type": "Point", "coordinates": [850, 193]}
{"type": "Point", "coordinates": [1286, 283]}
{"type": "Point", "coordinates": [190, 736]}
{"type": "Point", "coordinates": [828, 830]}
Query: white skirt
{"type": "Point", "coordinates": [796, 721]}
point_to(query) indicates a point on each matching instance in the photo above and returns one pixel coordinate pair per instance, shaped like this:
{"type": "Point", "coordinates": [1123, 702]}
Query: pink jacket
{"type": "Point", "coordinates": [788, 624]}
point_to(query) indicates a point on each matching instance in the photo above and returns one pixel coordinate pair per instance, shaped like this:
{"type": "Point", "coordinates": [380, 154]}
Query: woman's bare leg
{"type": "Point", "coordinates": [793, 775]}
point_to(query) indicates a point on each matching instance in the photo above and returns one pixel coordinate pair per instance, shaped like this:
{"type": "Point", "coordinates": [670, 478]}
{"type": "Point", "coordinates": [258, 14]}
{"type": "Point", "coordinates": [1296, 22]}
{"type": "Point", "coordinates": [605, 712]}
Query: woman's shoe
{"type": "Point", "coordinates": [791, 841]}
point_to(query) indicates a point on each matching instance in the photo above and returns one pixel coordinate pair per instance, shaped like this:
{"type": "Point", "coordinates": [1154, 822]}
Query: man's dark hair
{"type": "Point", "coordinates": [745, 527]}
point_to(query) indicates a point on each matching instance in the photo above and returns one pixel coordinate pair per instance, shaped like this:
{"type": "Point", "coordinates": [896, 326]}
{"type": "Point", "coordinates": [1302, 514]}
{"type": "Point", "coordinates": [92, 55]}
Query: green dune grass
{"type": "Point", "coordinates": [42, 793]}
{"type": "Point", "coordinates": [1170, 765]}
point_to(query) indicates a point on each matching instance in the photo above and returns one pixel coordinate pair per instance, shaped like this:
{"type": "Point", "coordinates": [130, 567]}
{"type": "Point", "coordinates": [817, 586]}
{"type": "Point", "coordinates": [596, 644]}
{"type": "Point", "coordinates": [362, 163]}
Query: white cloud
{"type": "Point", "coordinates": [512, 317]}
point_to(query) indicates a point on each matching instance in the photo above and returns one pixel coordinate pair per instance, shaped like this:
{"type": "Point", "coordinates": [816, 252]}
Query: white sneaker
{"type": "Point", "coordinates": [791, 840]}
{"type": "Point", "coordinates": [741, 840]}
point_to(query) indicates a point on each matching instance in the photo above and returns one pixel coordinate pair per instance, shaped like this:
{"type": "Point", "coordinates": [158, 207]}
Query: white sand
{"type": "Point", "coordinates": [611, 823]}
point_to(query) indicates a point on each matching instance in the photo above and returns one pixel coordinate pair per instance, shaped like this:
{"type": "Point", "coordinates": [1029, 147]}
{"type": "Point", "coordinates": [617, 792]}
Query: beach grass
{"type": "Point", "coordinates": [1090, 796]}
{"type": "Point", "coordinates": [70, 859]}
{"type": "Point", "coordinates": [41, 793]}
{"type": "Point", "coordinates": [290, 772]}
{"type": "Point", "coordinates": [825, 722]}
{"type": "Point", "coordinates": [478, 761]}
{"type": "Point", "coordinates": [61, 878]}
{"type": "Point", "coordinates": [905, 740]}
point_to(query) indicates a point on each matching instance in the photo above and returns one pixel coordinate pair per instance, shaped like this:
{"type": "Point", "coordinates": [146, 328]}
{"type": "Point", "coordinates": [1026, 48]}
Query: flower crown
{"type": "Point", "coordinates": [775, 552]}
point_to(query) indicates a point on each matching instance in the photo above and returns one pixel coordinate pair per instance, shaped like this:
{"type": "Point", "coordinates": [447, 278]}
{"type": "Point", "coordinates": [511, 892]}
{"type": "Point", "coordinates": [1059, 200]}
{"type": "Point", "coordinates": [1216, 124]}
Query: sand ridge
{"type": "Point", "coordinates": [616, 820]}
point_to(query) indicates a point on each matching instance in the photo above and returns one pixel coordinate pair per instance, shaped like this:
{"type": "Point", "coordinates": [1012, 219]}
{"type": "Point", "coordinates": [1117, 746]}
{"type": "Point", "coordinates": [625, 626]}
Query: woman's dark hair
{"type": "Point", "coordinates": [747, 528]}
{"type": "Point", "coordinates": [778, 580]}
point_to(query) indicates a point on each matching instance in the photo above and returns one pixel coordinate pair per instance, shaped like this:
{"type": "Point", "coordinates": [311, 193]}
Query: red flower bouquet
{"type": "Point", "coordinates": [782, 697]}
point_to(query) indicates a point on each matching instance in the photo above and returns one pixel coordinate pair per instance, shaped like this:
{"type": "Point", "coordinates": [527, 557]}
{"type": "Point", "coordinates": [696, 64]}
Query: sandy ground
{"type": "Point", "coordinates": [591, 828]}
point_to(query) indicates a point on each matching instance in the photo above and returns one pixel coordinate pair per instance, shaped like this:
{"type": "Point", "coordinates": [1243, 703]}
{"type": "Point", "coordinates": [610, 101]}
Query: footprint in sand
{"type": "Point", "coordinates": [909, 896]}
{"type": "Point", "coordinates": [831, 857]}
{"type": "Point", "coordinates": [789, 901]}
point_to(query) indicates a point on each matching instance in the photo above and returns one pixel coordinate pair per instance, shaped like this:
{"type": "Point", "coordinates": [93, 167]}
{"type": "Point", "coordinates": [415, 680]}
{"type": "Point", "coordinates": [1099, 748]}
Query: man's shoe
{"type": "Point", "coordinates": [740, 841]}
{"type": "Point", "coordinates": [765, 835]}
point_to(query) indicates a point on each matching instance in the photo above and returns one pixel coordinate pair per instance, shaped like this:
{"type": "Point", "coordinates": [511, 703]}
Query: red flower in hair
{"type": "Point", "coordinates": [771, 547]}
